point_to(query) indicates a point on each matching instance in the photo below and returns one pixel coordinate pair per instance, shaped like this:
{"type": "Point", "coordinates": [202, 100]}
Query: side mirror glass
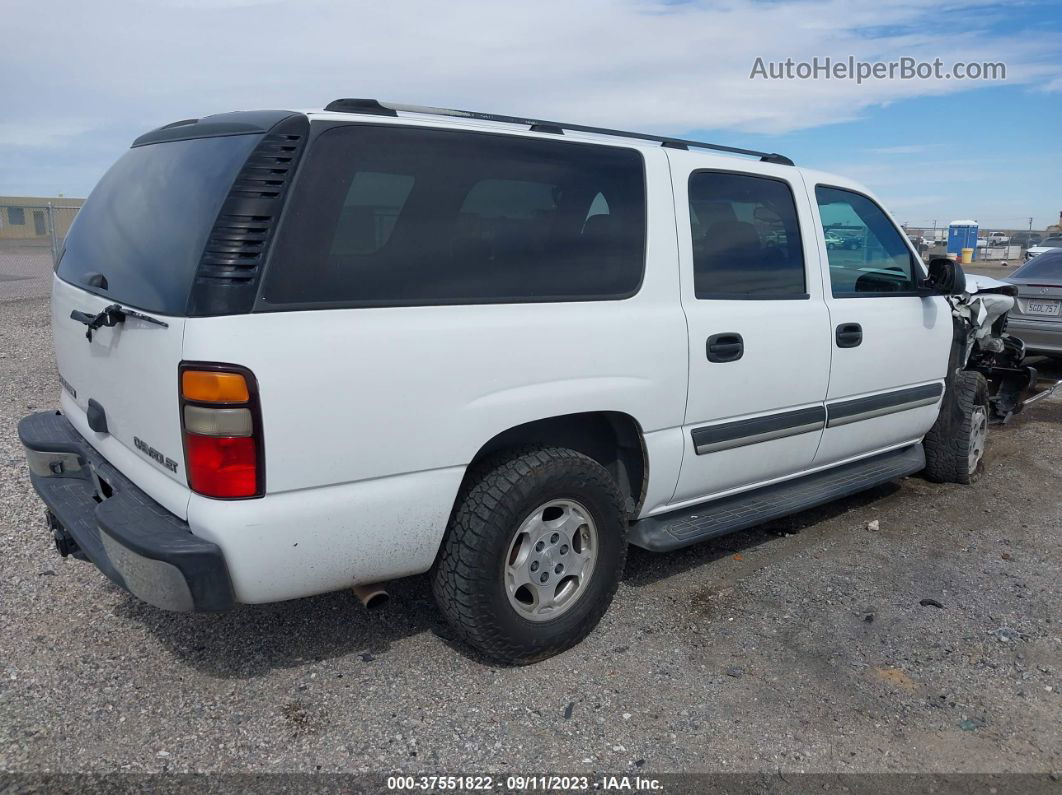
{"type": "Point", "coordinates": [946, 276]}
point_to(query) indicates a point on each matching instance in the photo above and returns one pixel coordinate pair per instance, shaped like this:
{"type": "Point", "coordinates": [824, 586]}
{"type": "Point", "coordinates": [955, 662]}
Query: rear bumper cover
{"type": "Point", "coordinates": [1039, 336]}
{"type": "Point", "coordinates": [132, 539]}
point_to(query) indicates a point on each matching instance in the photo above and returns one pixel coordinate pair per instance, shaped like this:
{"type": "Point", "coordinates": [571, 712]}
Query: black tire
{"type": "Point", "coordinates": [468, 579]}
{"type": "Point", "coordinates": [949, 441]}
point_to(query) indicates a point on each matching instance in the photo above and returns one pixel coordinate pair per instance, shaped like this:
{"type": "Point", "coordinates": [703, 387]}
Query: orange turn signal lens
{"type": "Point", "coordinates": [213, 387]}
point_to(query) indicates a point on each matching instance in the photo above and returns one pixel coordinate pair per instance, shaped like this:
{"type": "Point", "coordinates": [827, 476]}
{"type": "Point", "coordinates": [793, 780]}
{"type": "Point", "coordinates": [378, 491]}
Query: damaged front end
{"type": "Point", "coordinates": [980, 313]}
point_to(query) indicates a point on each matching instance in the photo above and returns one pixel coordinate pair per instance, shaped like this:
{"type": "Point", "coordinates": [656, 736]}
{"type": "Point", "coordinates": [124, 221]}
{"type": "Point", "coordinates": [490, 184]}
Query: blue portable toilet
{"type": "Point", "coordinates": [962, 234]}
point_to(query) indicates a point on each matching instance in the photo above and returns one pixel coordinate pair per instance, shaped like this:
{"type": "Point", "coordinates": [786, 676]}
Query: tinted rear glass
{"type": "Point", "coordinates": [146, 222]}
{"type": "Point", "coordinates": [392, 216]}
{"type": "Point", "coordinates": [1044, 266]}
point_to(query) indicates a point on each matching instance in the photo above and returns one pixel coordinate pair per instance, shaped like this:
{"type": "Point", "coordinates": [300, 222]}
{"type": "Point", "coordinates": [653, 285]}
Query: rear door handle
{"type": "Point", "coordinates": [725, 347]}
{"type": "Point", "coordinates": [849, 335]}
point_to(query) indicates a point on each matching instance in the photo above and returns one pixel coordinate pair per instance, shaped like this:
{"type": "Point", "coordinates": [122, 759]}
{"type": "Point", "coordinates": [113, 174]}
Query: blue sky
{"type": "Point", "coordinates": [85, 79]}
{"type": "Point", "coordinates": [993, 154]}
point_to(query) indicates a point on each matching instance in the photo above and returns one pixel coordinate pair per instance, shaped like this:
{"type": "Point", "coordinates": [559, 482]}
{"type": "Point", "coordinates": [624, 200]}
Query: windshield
{"type": "Point", "coordinates": [1047, 266]}
{"type": "Point", "coordinates": [1051, 242]}
{"type": "Point", "coordinates": [144, 226]}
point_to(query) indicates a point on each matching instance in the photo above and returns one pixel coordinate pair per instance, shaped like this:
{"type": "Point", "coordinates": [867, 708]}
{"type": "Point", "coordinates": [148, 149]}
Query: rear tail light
{"type": "Point", "coordinates": [222, 424]}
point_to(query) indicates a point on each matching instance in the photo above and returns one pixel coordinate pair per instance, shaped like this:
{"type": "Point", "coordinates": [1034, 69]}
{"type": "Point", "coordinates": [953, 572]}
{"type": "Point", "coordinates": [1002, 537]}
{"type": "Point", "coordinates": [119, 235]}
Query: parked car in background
{"type": "Point", "coordinates": [1037, 317]}
{"type": "Point", "coordinates": [833, 240]}
{"type": "Point", "coordinates": [1045, 245]}
{"type": "Point", "coordinates": [998, 239]}
{"type": "Point", "coordinates": [1025, 239]}
{"type": "Point", "coordinates": [982, 242]}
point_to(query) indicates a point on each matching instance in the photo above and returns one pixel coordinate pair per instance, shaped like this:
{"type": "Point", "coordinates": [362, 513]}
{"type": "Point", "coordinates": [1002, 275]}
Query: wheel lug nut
{"type": "Point", "coordinates": [559, 569]}
{"type": "Point", "coordinates": [534, 565]}
{"type": "Point", "coordinates": [544, 577]}
{"type": "Point", "coordinates": [553, 539]}
{"type": "Point", "coordinates": [540, 546]}
{"type": "Point", "coordinates": [564, 549]}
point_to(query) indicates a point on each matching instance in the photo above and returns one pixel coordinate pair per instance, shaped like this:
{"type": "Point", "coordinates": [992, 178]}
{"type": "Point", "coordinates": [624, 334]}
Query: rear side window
{"type": "Point", "coordinates": [398, 216]}
{"type": "Point", "coordinates": [746, 237]}
{"type": "Point", "coordinates": [867, 254]}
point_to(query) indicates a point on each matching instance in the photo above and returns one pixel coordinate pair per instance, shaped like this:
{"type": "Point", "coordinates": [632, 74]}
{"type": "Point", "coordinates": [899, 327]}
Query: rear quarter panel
{"type": "Point", "coordinates": [362, 402]}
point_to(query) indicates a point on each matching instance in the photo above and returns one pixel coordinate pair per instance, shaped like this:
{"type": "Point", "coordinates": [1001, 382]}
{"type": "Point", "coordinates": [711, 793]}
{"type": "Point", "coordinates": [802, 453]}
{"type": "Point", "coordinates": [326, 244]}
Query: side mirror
{"type": "Point", "coordinates": [946, 276]}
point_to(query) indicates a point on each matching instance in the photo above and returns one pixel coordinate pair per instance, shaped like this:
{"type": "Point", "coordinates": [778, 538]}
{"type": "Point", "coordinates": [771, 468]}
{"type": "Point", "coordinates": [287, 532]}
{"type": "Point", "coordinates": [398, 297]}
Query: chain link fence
{"type": "Point", "coordinates": [36, 226]}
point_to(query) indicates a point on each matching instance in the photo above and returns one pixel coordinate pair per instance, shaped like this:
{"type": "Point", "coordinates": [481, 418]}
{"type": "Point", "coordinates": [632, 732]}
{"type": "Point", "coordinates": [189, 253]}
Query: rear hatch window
{"type": "Point", "coordinates": [145, 225]}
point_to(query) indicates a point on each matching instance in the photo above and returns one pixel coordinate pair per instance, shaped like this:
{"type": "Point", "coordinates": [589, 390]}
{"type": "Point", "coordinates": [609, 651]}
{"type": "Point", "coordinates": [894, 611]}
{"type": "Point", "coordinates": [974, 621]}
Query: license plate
{"type": "Point", "coordinates": [1041, 306]}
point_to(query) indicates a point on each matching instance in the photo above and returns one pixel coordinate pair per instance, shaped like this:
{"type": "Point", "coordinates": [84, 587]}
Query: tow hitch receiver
{"type": "Point", "coordinates": [64, 542]}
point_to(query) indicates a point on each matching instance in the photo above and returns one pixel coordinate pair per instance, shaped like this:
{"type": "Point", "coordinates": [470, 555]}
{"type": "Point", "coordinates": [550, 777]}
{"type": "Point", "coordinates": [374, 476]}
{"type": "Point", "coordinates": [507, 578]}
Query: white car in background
{"type": "Point", "coordinates": [1048, 243]}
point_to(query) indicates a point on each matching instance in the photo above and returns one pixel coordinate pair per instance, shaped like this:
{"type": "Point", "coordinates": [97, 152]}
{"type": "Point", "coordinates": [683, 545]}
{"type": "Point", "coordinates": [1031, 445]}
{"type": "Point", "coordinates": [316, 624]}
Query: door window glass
{"type": "Point", "coordinates": [867, 253]}
{"type": "Point", "coordinates": [746, 237]}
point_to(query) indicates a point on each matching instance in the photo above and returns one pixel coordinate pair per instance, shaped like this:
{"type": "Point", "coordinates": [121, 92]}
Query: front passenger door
{"type": "Point", "coordinates": [890, 340]}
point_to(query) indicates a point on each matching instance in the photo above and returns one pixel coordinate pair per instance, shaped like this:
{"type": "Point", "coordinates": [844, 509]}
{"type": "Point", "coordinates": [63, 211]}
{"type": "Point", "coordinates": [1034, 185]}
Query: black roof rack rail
{"type": "Point", "coordinates": [377, 108]}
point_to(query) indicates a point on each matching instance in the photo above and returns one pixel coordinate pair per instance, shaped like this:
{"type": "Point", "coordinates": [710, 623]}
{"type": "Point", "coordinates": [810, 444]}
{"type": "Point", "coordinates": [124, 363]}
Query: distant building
{"type": "Point", "coordinates": [1056, 228]}
{"type": "Point", "coordinates": [26, 217]}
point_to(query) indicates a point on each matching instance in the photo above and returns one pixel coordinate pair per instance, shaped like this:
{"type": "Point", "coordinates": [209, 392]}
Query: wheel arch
{"type": "Point", "coordinates": [612, 438]}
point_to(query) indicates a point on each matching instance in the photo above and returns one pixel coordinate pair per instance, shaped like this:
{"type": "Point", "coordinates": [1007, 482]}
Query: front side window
{"type": "Point", "coordinates": [867, 253]}
{"type": "Point", "coordinates": [746, 237]}
{"type": "Point", "coordinates": [402, 216]}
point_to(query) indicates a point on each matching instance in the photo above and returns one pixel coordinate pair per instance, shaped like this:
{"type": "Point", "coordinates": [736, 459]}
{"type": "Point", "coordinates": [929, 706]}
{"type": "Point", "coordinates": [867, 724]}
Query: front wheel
{"type": "Point", "coordinates": [955, 445]}
{"type": "Point", "coordinates": [533, 554]}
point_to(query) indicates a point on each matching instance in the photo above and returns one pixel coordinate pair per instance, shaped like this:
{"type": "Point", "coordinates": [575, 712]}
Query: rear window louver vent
{"type": "Point", "coordinates": [236, 248]}
{"type": "Point", "coordinates": [266, 171]}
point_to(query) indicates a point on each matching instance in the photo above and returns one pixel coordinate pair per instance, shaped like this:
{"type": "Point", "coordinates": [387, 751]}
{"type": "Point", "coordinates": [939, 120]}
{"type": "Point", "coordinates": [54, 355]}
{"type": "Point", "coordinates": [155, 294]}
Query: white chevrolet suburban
{"type": "Point", "coordinates": [309, 351]}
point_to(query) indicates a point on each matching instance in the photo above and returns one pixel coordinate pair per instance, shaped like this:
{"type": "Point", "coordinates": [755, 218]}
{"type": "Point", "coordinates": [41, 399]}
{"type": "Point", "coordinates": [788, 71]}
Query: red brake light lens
{"type": "Point", "coordinates": [222, 466]}
{"type": "Point", "coordinates": [222, 426]}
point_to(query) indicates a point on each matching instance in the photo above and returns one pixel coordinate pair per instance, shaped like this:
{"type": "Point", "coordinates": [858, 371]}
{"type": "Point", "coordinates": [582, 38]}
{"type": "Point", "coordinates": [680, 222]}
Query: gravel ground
{"type": "Point", "coordinates": [799, 646]}
{"type": "Point", "coordinates": [25, 270]}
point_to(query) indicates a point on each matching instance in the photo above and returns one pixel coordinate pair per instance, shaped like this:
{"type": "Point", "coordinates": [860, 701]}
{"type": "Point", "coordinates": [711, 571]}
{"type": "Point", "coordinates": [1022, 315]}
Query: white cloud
{"type": "Point", "coordinates": [906, 149]}
{"type": "Point", "coordinates": [43, 134]}
{"type": "Point", "coordinates": [633, 63]}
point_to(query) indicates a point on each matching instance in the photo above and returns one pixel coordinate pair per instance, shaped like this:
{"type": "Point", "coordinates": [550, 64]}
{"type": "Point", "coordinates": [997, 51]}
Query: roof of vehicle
{"type": "Point", "coordinates": [373, 111]}
{"type": "Point", "coordinates": [373, 107]}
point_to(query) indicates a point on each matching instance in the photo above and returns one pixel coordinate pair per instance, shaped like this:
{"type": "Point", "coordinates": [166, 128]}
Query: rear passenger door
{"type": "Point", "coordinates": [890, 339]}
{"type": "Point", "coordinates": [758, 328]}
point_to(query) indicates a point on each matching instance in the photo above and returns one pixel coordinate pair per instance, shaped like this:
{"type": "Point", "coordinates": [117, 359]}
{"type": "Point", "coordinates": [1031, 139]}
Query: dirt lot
{"type": "Point", "coordinates": [799, 646]}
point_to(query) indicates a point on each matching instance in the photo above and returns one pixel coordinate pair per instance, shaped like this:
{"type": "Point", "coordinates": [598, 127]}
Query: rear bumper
{"type": "Point", "coordinates": [132, 539]}
{"type": "Point", "coordinates": [1039, 336]}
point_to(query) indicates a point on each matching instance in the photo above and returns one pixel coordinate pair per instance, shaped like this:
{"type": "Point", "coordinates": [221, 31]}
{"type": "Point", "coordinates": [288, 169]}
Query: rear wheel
{"type": "Point", "coordinates": [955, 445]}
{"type": "Point", "coordinates": [533, 554]}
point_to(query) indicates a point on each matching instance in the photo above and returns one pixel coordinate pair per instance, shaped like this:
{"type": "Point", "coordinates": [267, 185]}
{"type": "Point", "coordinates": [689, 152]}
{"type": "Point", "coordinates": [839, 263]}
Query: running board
{"type": "Point", "coordinates": [740, 511]}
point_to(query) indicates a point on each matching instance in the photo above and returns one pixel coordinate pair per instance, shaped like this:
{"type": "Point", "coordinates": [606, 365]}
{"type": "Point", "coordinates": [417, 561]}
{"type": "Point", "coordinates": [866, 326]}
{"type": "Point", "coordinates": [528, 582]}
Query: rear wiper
{"type": "Point", "coordinates": [111, 316]}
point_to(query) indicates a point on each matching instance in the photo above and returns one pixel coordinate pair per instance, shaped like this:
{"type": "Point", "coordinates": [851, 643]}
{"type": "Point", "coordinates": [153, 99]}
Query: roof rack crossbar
{"type": "Point", "coordinates": [375, 107]}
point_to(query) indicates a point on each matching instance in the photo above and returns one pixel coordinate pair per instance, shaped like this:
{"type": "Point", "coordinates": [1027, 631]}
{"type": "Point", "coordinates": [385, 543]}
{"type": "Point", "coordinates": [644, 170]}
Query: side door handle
{"type": "Point", "coordinates": [849, 335]}
{"type": "Point", "coordinates": [725, 347]}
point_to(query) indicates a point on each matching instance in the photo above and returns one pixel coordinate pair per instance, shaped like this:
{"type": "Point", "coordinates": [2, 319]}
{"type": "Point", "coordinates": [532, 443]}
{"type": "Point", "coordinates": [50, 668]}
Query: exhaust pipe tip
{"type": "Point", "coordinates": [372, 597]}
